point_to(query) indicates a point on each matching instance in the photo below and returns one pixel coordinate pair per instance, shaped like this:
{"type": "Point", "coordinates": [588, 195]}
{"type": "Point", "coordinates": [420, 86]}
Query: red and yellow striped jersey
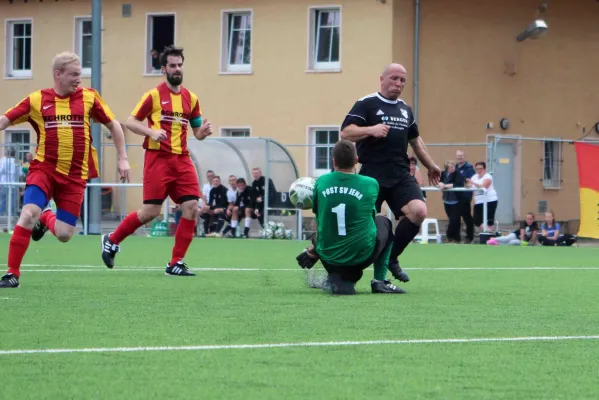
{"type": "Point", "coordinates": [165, 109]}
{"type": "Point", "coordinates": [62, 124]}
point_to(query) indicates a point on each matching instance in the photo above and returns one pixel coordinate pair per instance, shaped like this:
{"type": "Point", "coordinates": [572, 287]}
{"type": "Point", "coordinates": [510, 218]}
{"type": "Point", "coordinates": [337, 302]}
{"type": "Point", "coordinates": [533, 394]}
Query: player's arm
{"type": "Point", "coordinates": [4, 122]}
{"type": "Point", "coordinates": [434, 172]}
{"type": "Point", "coordinates": [309, 257]}
{"type": "Point", "coordinates": [354, 128]}
{"type": "Point", "coordinates": [16, 115]}
{"type": "Point", "coordinates": [135, 121]}
{"type": "Point", "coordinates": [118, 137]}
{"type": "Point", "coordinates": [201, 128]}
{"type": "Point", "coordinates": [102, 114]}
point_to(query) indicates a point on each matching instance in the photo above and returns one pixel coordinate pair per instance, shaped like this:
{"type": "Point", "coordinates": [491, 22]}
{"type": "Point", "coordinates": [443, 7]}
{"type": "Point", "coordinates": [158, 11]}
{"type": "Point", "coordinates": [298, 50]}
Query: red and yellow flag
{"type": "Point", "coordinates": [587, 156]}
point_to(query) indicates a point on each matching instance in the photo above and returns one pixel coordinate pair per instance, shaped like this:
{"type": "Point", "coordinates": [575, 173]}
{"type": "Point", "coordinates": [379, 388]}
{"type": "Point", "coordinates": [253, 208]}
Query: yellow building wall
{"type": "Point", "coordinates": [472, 71]}
{"type": "Point", "coordinates": [280, 99]}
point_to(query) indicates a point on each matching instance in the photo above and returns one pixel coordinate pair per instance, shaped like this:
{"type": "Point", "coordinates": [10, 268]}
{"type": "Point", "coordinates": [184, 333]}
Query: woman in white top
{"type": "Point", "coordinates": [483, 180]}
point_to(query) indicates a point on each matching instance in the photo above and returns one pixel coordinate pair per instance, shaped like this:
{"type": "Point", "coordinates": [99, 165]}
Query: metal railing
{"type": "Point", "coordinates": [13, 190]}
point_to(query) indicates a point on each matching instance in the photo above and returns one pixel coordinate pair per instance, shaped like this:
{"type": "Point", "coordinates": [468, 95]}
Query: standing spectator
{"type": "Point", "coordinates": [465, 198]}
{"type": "Point", "coordinates": [415, 172]}
{"type": "Point", "coordinates": [259, 186]}
{"type": "Point", "coordinates": [451, 178]}
{"type": "Point", "coordinates": [10, 171]}
{"type": "Point", "coordinates": [27, 163]}
{"type": "Point", "coordinates": [155, 60]}
{"type": "Point", "coordinates": [483, 180]}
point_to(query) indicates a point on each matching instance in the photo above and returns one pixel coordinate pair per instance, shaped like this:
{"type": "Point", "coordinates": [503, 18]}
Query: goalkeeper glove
{"type": "Point", "coordinates": [307, 258]}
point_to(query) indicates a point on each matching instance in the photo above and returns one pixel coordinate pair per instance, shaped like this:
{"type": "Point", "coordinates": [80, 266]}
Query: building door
{"type": "Point", "coordinates": [503, 181]}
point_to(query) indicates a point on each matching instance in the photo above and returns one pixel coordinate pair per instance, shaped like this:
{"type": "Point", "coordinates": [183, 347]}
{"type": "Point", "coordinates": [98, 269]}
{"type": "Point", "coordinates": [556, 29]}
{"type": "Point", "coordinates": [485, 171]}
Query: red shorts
{"type": "Point", "coordinates": [167, 174]}
{"type": "Point", "coordinates": [67, 192]}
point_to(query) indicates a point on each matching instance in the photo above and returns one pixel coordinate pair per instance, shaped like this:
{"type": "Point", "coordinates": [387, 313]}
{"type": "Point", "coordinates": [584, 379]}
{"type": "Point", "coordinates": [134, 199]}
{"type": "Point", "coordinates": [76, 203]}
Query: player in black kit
{"type": "Point", "coordinates": [382, 125]}
{"type": "Point", "coordinates": [243, 209]}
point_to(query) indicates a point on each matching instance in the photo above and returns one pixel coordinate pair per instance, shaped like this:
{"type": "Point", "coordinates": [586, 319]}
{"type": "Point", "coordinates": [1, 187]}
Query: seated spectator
{"type": "Point", "coordinates": [231, 196]}
{"type": "Point", "coordinates": [451, 178]}
{"type": "Point", "coordinates": [483, 180]}
{"type": "Point", "coordinates": [550, 233]}
{"type": "Point", "coordinates": [203, 201]}
{"type": "Point", "coordinates": [244, 208]}
{"type": "Point", "coordinates": [525, 235]}
{"type": "Point", "coordinates": [215, 210]}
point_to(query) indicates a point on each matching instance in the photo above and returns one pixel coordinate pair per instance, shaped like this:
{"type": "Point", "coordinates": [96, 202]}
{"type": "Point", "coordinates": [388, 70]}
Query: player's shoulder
{"type": "Point", "coordinates": [87, 93]}
{"type": "Point", "coordinates": [368, 99]}
{"type": "Point", "coordinates": [88, 90]}
{"type": "Point", "coordinates": [188, 92]}
{"type": "Point", "coordinates": [367, 180]}
{"type": "Point", "coordinates": [326, 177]}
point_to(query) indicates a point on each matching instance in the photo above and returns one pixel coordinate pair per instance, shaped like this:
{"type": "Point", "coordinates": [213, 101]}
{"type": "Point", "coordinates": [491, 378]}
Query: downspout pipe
{"type": "Point", "coordinates": [416, 56]}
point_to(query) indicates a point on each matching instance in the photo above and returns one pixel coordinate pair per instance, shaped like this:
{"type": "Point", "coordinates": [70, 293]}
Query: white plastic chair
{"type": "Point", "coordinates": [424, 235]}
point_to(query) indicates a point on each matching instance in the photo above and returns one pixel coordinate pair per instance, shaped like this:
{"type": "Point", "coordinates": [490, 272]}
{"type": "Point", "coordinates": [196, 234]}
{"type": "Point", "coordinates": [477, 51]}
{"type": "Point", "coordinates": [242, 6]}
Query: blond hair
{"type": "Point", "coordinates": [448, 163]}
{"type": "Point", "coordinates": [61, 60]}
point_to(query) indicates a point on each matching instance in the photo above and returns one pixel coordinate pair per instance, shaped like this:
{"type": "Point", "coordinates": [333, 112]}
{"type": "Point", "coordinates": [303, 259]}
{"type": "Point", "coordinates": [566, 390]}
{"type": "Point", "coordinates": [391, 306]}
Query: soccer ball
{"type": "Point", "coordinates": [279, 234]}
{"type": "Point", "coordinates": [288, 234]}
{"type": "Point", "coordinates": [301, 192]}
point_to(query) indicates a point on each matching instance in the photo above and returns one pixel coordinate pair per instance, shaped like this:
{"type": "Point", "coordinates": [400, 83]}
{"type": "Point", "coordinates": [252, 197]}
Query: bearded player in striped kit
{"type": "Point", "coordinates": [169, 110]}
{"type": "Point", "coordinates": [65, 157]}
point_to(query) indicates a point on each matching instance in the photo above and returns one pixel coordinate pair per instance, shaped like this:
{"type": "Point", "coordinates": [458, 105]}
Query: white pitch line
{"type": "Point", "coordinates": [298, 344]}
{"type": "Point", "coordinates": [99, 268]}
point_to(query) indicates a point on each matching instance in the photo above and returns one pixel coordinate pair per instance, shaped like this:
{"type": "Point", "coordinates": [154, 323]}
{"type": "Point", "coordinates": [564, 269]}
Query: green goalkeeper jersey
{"type": "Point", "coordinates": [344, 205]}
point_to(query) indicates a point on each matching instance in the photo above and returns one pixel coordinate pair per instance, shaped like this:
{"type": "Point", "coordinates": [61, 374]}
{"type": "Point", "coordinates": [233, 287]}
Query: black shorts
{"type": "Point", "coordinates": [405, 190]}
{"type": "Point", "coordinates": [353, 273]}
{"type": "Point", "coordinates": [242, 213]}
{"type": "Point", "coordinates": [478, 213]}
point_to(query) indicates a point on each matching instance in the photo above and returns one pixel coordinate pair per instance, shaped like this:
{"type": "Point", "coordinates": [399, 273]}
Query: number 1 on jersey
{"type": "Point", "coordinates": [340, 211]}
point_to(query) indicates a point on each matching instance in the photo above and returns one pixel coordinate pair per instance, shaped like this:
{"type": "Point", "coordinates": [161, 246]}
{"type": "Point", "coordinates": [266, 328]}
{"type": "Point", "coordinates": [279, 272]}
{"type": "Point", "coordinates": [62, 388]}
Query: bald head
{"type": "Point", "coordinates": [393, 67]}
{"type": "Point", "coordinates": [460, 157]}
{"type": "Point", "coordinates": [393, 80]}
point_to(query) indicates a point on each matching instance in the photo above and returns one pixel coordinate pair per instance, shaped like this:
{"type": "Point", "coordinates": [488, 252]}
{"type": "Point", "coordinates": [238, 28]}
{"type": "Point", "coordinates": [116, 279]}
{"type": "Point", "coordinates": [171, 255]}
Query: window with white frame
{"type": "Point", "coordinates": [20, 141]}
{"type": "Point", "coordinates": [325, 39]}
{"type": "Point", "coordinates": [552, 164]}
{"type": "Point", "coordinates": [18, 48]}
{"type": "Point", "coordinates": [160, 34]}
{"type": "Point", "coordinates": [83, 43]}
{"type": "Point", "coordinates": [235, 132]}
{"type": "Point", "coordinates": [237, 41]}
{"type": "Point", "coordinates": [323, 140]}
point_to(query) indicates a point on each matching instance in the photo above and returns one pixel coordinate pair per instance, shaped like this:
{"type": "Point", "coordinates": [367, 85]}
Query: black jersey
{"type": "Point", "coordinates": [259, 187]}
{"type": "Point", "coordinates": [384, 159]}
{"type": "Point", "coordinates": [247, 198]}
{"type": "Point", "coordinates": [218, 198]}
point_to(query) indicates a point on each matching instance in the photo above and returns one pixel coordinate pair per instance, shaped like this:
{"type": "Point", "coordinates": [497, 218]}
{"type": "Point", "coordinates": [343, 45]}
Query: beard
{"type": "Point", "coordinates": [174, 80]}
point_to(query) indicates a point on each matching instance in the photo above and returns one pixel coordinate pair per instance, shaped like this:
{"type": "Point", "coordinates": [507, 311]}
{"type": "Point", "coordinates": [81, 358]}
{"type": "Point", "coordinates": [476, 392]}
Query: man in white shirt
{"type": "Point", "coordinates": [10, 171]}
{"type": "Point", "coordinates": [203, 202]}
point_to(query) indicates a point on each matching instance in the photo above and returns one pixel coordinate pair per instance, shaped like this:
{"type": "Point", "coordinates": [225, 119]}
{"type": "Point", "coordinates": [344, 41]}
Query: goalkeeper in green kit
{"type": "Point", "coordinates": [350, 235]}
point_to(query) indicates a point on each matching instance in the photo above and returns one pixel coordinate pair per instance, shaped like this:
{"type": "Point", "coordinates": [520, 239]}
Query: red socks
{"type": "Point", "coordinates": [126, 228]}
{"type": "Point", "coordinates": [48, 218]}
{"type": "Point", "coordinates": [183, 237]}
{"type": "Point", "coordinates": [19, 242]}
